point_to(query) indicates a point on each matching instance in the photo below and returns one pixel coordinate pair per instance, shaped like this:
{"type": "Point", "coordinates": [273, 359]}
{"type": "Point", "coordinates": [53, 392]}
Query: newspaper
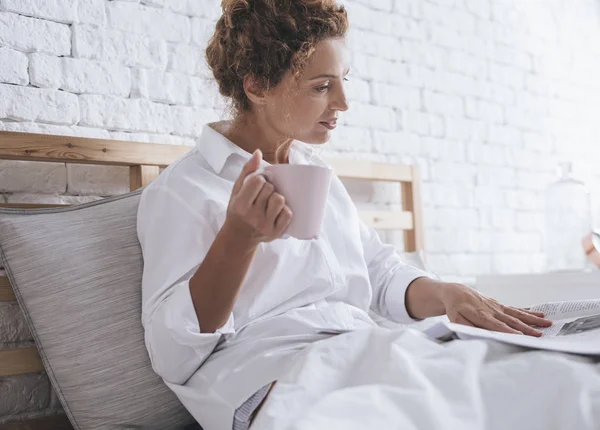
{"type": "Point", "coordinates": [575, 329]}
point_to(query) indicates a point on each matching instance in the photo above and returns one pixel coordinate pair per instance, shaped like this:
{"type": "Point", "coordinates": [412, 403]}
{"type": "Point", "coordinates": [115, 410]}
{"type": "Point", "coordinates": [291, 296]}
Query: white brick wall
{"type": "Point", "coordinates": [13, 67]}
{"type": "Point", "coordinates": [485, 95]}
{"type": "Point", "coordinates": [34, 104]}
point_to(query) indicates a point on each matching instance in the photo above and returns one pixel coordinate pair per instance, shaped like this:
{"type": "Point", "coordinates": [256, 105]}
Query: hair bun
{"type": "Point", "coordinates": [231, 8]}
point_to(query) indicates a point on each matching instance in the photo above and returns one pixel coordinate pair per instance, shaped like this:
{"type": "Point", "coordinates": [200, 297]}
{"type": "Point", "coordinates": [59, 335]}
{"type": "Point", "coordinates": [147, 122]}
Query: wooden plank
{"type": "Point", "coordinates": [59, 422]}
{"type": "Point", "coordinates": [6, 291]}
{"type": "Point", "coordinates": [411, 201]}
{"type": "Point", "coordinates": [66, 149]}
{"type": "Point", "coordinates": [371, 171]}
{"type": "Point", "coordinates": [19, 361]}
{"type": "Point", "coordinates": [140, 176]}
{"type": "Point", "coordinates": [30, 205]}
{"type": "Point", "coordinates": [388, 220]}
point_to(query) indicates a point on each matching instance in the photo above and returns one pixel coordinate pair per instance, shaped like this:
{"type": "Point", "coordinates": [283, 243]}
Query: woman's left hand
{"type": "Point", "coordinates": [466, 306]}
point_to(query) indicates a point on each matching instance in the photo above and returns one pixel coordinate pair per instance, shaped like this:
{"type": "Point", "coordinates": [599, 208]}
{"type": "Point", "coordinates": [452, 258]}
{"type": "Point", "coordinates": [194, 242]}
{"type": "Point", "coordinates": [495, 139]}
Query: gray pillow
{"type": "Point", "coordinates": [77, 275]}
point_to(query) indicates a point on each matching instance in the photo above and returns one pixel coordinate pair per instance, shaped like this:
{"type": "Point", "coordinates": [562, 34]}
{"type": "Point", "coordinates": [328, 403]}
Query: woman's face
{"type": "Point", "coordinates": [306, 108]}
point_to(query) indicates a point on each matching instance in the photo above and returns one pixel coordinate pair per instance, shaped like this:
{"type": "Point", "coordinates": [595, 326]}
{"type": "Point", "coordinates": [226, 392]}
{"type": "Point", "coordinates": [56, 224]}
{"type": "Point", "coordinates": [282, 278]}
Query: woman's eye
{"type": "Point", "coordinates": [346, 80]}
{"type": "Point", "coordinates": [322, 88]}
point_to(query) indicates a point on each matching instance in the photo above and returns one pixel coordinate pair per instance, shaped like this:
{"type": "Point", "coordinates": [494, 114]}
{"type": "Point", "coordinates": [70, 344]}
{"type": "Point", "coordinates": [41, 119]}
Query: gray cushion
{"type": "Point", "coordinates": [77, 275]}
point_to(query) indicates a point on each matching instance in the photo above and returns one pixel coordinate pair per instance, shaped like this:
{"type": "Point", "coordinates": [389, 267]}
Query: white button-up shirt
{"type": "Point", "coordinates": [292, 288]}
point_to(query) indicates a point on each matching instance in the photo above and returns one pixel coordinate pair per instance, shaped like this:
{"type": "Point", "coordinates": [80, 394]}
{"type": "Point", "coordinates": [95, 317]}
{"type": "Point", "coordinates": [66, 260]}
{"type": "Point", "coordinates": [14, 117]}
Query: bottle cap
{"type": "Point", "coordinates": [565, 168]}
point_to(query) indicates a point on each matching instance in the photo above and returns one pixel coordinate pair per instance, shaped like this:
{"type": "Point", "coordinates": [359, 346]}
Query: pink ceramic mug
{"type": "Point", "coordinates": [305, 188]}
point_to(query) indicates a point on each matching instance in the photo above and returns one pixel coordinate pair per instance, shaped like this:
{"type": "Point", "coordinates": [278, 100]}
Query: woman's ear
{"type": "Point", "coordinates": [254, 90]}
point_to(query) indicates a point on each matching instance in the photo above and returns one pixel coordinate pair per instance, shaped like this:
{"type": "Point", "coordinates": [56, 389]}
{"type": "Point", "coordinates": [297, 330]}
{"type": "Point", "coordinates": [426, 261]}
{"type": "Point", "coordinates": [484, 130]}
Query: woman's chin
{"type": "Point", "coordinates": [317, 138]}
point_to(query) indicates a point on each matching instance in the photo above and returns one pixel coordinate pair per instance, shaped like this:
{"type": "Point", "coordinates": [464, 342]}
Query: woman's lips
{"type": "Point", "coordinates": [330, 125]}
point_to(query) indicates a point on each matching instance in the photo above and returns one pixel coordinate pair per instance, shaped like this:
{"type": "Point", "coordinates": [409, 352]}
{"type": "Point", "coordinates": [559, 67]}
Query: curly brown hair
{"type": "Point", "coordinates": [267, 38]}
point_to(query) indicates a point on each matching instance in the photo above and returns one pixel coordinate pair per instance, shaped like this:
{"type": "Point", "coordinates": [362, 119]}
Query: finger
{"type": "Point", "coordinates": [487, 321]}
{"type": "Point", "coordinates": [274, 205]}
{"type": "Point", "coordinates": [264, 195]}
{"type": "Point", "coordinates": [250, 167]}
{"type": "Point", "coordinates": [283, 220]}
{"type": "Point", "coordinates": [250, 190]}
{"type": "Point", "coordinates": [517, 324]}
{"type": "Point", "coordinates": [527, 317]}
{"type": "Point", "coordinates": [459, 319]}
{"type": "Point", "coordinates": [537, 314]}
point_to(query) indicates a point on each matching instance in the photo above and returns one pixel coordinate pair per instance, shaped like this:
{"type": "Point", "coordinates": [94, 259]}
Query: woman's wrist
{"type": "Point", "coordinates": [237, 237]}
{"type": "Point", "coordinates": [426, 297]}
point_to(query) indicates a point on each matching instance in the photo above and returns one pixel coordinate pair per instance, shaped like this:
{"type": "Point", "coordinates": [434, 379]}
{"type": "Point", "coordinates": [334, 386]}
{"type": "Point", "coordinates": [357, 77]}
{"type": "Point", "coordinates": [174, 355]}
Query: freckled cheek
{"type": "Point", "coordinates": [302, 115]}
{"type": "Point", "coordinates": [310, 111]}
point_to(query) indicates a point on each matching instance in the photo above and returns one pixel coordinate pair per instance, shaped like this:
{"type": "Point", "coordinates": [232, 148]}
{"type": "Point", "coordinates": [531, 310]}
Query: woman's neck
{"type": "Point", "coordinates": [250, 132]}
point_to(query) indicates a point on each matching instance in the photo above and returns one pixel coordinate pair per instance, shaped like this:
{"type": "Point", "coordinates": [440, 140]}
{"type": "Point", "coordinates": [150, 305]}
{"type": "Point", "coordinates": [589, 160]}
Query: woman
{"type": "Point", "coordinates": [226, 303]}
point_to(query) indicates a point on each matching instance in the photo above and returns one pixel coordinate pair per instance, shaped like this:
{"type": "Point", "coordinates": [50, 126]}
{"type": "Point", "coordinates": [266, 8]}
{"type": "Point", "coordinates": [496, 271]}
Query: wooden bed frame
{"type": "Point", "coordinates": [144, 161]}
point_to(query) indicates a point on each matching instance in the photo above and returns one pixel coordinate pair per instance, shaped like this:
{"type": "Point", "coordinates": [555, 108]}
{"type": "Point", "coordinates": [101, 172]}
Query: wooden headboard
{"type": "Point", "coordinates": [144, 161]}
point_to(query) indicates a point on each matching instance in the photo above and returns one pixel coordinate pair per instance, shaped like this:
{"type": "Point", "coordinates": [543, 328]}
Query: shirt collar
{"type": "Point", "coordinates": [216, 150]}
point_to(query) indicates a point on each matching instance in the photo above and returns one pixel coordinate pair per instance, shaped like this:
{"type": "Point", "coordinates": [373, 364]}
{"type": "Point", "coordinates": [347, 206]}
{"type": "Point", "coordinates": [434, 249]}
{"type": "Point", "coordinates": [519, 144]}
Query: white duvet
{"type": "Point", "coordinates": [399, 379]}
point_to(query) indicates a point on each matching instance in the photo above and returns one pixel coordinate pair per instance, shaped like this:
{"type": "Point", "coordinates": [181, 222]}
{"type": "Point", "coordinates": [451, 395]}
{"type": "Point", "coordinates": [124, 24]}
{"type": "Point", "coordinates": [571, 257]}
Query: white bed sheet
{"type": "Point", "coordinates": [399, 379]}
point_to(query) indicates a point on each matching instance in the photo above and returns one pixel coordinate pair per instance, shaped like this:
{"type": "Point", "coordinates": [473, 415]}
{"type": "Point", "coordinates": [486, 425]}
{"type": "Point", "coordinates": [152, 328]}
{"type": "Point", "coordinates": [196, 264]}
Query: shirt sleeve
{"type": "Point", "coordinates": [389, 276]}
{"type": "Point", "coordinates": [174, 239]}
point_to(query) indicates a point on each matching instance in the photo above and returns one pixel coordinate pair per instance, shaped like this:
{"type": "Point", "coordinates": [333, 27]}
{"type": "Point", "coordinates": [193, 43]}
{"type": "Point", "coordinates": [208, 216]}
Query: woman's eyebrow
{"type": "Point", "coordinates": [327, 75]}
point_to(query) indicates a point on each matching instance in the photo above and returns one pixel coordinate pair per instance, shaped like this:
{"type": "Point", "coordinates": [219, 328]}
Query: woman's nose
{"type": "Point", "coordinates": [340, 103]}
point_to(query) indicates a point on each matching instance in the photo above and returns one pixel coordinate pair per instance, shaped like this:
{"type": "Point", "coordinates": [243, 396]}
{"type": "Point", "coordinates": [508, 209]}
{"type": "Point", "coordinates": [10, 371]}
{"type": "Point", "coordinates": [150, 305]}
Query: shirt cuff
{"type": "Point", "coordinates": [395, 298]}
{"type": "Point", "coordinates": [182, 320]}
{"type": "Point", "coordinates": [175, 344]}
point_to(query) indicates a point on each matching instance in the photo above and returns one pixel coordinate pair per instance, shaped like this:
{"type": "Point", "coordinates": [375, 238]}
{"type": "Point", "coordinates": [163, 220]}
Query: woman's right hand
{"type": "Point", "coordinates": [256, 212]}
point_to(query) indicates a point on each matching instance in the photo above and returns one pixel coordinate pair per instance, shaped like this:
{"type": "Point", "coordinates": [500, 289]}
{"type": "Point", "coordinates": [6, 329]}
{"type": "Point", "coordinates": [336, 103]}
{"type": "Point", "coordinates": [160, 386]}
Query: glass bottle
{"type": "Point", "coordinates": [567, 221]}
